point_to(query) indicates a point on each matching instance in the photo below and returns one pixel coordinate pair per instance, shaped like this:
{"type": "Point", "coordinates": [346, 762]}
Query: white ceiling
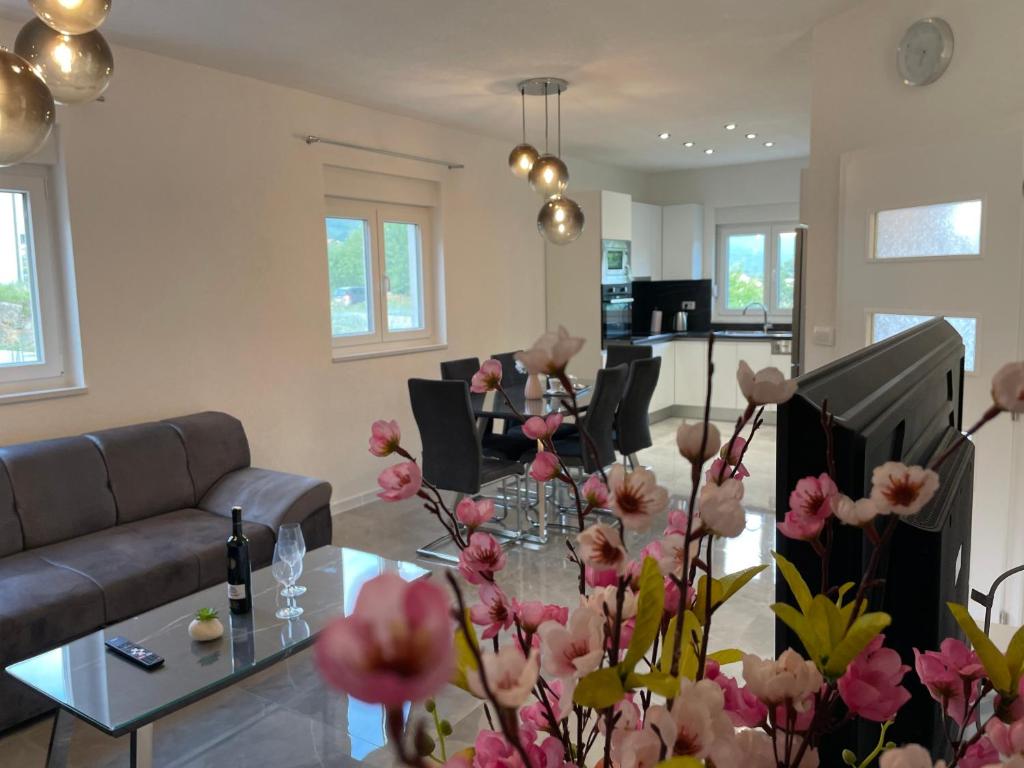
{"type": "Point", "coordinates": [637, 67]}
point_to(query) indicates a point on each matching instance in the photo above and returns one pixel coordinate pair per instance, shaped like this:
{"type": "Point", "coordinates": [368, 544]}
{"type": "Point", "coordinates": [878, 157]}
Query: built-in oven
{"type": "Point", "coordinates": [616, 312]}
{"type": "Point", "coordinates": [614, 261]}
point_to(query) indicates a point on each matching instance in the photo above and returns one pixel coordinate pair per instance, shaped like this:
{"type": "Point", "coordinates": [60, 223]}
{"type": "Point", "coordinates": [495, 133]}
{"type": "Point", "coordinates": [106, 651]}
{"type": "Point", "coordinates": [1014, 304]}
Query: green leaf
{"type": "Point", "coordinates": [842, 592]}
{"type": "Point", "coordinates": [727, 656]}
{"type": "Point", "coordinates": [995, 663]}
{"type": "Point", "coordinates": [797, 585]}
{"type": "Point", "coordinates": [734, 582]}
{"type": "Point", "coordinates": [701, 600]}
{"type": "Point", "coordinates": [861, 633]}
{"type": "Point", "coordinates": [658, 682]}
{"type": "Point", "coordinates": [692, 633]}
{"type": "Point", "coordinates": [800, 624]}
{"type": "Point", "coordinates": [206, 614]}
{"type": "Point", "coordinates": [680, 762]}
{"type": "Point", "coordinates": [817, 619]}
{"type": "Point", "coordinates": [464, 658]}
{"type": "Point", "coordinates": [601, 689]}
{"type": "Point", "coordinates": [665, 662]}
{"type": "Point", "coordinates": [650, 609]}
{"type": "Point", "coordinates": [1015, 656]}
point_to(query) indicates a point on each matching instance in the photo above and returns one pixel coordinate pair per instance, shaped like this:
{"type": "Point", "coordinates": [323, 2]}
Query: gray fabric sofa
{"type": "Point", "coordinates": [100, 527]}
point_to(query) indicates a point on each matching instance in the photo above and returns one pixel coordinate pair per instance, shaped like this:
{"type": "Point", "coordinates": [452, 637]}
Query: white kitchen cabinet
{"type": "Point", "coordinates": [691, 372]}
{"type": "Point", "coordinates": [682, 242]}
{"type": "Point", "coordinates": [646, 250]}
{"type": "Point", "coordinates": [724, 389]}
{"type": "Point", "coordinates": [616, 216]}
{"type": "Point", "coordinates": [664, 393]}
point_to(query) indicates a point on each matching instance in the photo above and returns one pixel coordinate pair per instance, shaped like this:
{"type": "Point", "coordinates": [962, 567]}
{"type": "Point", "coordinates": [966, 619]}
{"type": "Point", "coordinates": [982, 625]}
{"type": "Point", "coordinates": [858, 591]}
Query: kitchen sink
{"type": "Point", "coordinates": [755, 334]}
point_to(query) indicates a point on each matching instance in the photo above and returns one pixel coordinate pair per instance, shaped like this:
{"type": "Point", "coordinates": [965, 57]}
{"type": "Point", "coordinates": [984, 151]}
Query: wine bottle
{"type": "Point", "coordinates": [239, 571]}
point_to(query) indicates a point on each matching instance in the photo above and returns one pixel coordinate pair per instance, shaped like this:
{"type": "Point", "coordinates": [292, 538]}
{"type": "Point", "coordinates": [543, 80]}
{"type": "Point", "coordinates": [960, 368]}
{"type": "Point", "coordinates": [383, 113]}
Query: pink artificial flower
{"type": "Point", "coordinates": [598, 577]}
{"type": "Point", "coordinates": [946, 673]}
{"type": "Point", "coordinates": [690, 438]}
{"type": "Point", "coordinates": [697, 725]}
{"type": "Point", "coordinates": [472, 513]}
{"type": "Point", "coordinates": [545, 467]}
{"type": "Point", "coordinates": [677, 520]}
{"type": "Point", "coordinates": [636, 749]}
{"type": "Point", "coordinates": [536, 715]}
{"type": "Point", "coordinates": [813, 496]}
{"type": "Point", "coordinates": [858, 513]}
{"type": "Point", "coordinates": [575, 649]}
{"type": "Point", "coordinates": [510, 675]}
{"type": "Point", "coordinates": [491, 750]}
{"type": "Point", "coordinates": [395, 646]}
{"type": "Point", "coordinates": [910, 756]}
{"type": "Point", "coordinates": [870, 687]}
{"type": "Point", "coordinates": [1008, 738]}
{"type": "Point", "coordinates": [902, 490]}
{"type": "Point", "coordinates": [537, 428]}
{"type": "Point", "coordinates": [1008, 387]}
{"type": "Point", "coordinates": [738, 445]}
{"type": "Point", "coordinates": [595, 492]}
{"type": "Point", "coordinates": [798, 526]}
{"type": "Point", "coordinates": [488, 378]}
{"type": "Point", "coordinates": [981, 754]}
{"type": "Point", "coordinates": [550, 353]}
{"type": "Point", "coordinates": [670, 552]}
{"type": "Point", "coordinates": [635, 497]}
{"type": "Point", "coordinates": [484, 557]}
{"type": "Point", "coordinates": [600, 547]}
{"type": "Point", "coordinates": [400, 481]}
{"type": "Point", "coordinates": [385, 437]}
{"type": "Point", "coordinates": [744, 709]}
{"type": "Point", "coordinates": [720, 470]}
{"type": "Point", "coordinates": [721, 509]}
{"type": "Point", "coordinates": [769, 385]}
{"type": "Point", "coordinates": [756, 750]}
{"type": "Point", "coordinates": [493, 611]}
{"type": "Point", "coordinates": [790, 678]}
{"type": "Point", "coordinates": [534, 613]}
{"type": "Point", "coordinates": [602, 601]}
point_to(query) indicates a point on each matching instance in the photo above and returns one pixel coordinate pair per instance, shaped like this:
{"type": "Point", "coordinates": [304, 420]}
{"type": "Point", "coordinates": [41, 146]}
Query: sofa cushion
{"type": "Point", "coordinates": [267, 497]}
{"type": "Point", "coordinates": [215, 444]}
{"type": "Point", "coordinates": [43, 605]}
{"type": "Point", "coordinates": [205, 535]}
{"type": "Point", "coordinates": [147, 468]}
{"type": "Point", "coordinates": [60, 489]}
{"type": "Point", "coordinates": [11, 540]}
{"type": "Point", "coordinates": [135, 572]}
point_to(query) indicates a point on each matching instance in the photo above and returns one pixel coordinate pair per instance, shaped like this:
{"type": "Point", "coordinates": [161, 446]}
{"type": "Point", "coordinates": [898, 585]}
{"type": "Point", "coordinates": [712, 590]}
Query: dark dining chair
{"type": "Point", "coordinates": [461, 369]}
{"type": "Point", "coordinates": [632, 425]}
{"type": "Point", "coordinates": [621, 353]}
{"type": "Point", "coordinates": [509, 374]}
{"type": "Point", "coordinates": [496, 445]}
{"type": "Point", "coordinates": [452, 458]}
{"type": "Point", "coordinates": [598, 422]}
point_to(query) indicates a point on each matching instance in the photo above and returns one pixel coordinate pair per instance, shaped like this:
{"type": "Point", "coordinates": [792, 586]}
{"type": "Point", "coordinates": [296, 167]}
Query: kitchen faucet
{"type": "Point", "coordinates": [766, 326]}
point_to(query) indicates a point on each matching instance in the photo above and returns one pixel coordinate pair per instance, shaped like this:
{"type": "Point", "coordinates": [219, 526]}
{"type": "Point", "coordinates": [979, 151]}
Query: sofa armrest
{"type": "Point", "coordinates": [267, 497]}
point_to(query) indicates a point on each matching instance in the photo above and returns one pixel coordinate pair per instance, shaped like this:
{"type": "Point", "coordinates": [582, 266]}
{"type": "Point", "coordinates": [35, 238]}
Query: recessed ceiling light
{"type": "Point", "coordinates": [687, 144]}
{"type": "Point", "coordinates": [730, 126]}
{"type": "Point", "coordinates": [751, 135]}
{"type": "Point", "coordinates": [664, 135]}
{"type": "Point", "coordinates": [769, 143]}
{"type": "Point", "coordinates": [709, 151]}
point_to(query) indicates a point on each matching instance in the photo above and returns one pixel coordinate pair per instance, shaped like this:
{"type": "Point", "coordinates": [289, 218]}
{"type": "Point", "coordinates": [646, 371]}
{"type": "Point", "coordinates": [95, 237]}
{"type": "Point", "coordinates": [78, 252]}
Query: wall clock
{"type": "Point", "coordinates": [925, 51]}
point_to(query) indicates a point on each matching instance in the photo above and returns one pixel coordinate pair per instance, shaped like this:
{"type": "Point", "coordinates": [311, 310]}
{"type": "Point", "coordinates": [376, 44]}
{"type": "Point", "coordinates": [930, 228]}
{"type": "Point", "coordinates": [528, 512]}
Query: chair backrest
{"type": "Point", "coordinates": [460, 370]}
{"type": "Point", "coordinates": [451, 457]}
{"type": "Point", "coordinates": [632, 425]}
{"type": "Point", "coordinates": [599, 419]}
{"type": "Point", "coordinates": [617, 354]}
{"type": "Point", "coordinates": [509, 373]}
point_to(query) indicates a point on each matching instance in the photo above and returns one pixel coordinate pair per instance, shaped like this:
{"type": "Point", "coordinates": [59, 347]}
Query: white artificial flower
{"type": "Point", "coordinates": [602, 597]}
{"type": "Point", "coordinates": [769, 385]}
{"type": "Point", "coordinates": [551, 352]}
{"type": "Point", "coordinates": [859, 513]}
{"type": "Point", "coordinates": [575, 649]}
{"type": "Point", "coordinates": [1008, 387]}
{"type": "Point", "coordinates": [689, 438]}
{"type": "Point", "coordinates": [902, 490]}
{"type": "Point", "coordinates": [635, 497]}
{"type": "Point", "coordinates": [720, 508]}
{"type": "Point", "coordinates": [510, 675]}
{"type": "Point", "coordinates": [697, 725]}
{"type": "Point", "coordinates": [791, 677]}
{"type": "Point", "coordinates": [910, 756]}
{"type": "Point", "coordinates": [600, 547]}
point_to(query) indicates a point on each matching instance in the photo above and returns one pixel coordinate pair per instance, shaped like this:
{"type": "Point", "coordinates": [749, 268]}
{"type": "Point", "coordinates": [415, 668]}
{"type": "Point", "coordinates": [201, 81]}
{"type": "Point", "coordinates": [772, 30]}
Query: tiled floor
{"type": "Point", "coordinates": [286, 718]}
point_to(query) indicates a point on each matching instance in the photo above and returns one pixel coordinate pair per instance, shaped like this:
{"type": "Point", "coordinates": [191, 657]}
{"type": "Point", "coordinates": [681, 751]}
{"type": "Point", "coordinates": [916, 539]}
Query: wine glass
{"type": "Point", "coordinates": [293, 548]}
{"type": "Point", "coordinates": [284, 574]}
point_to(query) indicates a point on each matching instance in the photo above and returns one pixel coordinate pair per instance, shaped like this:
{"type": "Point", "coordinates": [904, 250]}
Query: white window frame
{"type": "Point", "coordinates": [51, 372]}
{"type": "Point", "coordinates": [770, 231]}
{"type": "Point", "coordinates": [379, 339]}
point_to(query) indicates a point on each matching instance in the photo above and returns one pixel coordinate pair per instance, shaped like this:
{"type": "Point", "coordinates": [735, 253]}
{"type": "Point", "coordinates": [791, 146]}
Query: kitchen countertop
{"type": "Point", "coordinates": [728, 335]}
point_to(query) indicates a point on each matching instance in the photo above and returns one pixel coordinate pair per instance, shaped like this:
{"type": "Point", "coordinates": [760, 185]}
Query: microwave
{"type": "Point", "coordinates": [614, 261]}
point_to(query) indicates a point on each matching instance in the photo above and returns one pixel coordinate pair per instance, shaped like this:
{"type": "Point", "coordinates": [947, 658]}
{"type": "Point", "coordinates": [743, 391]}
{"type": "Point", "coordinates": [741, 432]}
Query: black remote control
{"type": "Point", "coordinates": [136, 653]}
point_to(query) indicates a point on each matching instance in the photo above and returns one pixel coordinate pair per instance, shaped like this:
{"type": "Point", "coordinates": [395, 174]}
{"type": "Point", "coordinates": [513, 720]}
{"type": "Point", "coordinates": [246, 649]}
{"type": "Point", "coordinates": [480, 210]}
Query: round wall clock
{"type": "Point", "coordinates": [925, 51]}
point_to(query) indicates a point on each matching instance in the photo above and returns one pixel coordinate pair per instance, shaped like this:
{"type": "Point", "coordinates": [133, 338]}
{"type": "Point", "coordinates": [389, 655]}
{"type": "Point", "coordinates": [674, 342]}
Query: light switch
{"type": "Point", "coordinates": [687, 305]}
{"type": "Point", "coordinates": [824, 335]}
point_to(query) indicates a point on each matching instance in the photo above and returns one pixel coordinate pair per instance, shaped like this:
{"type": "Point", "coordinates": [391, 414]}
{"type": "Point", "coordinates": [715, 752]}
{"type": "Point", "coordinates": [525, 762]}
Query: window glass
{"type": "Point", "coordinates": [403, 267]}
{"type": "Point", "coordinates": [785, 274]}
{"type": "Point", "coordinates": [884, 325]}
{"type": "Point", "coordinates": [348, 261]}
{"type": "Point", "coordinates": [946, 229]}
{"type": "Point", "coordinates": [745, 262]}
{"type": "Point", "coordinates": [20, 341]}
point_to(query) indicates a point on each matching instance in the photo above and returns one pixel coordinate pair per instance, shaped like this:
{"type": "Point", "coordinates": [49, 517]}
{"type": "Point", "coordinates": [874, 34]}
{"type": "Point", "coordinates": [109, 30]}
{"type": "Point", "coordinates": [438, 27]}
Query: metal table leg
{"type": "Point", "coordinates": [142, 747]}
{"type": "Point", "coordinates": [60, 740]}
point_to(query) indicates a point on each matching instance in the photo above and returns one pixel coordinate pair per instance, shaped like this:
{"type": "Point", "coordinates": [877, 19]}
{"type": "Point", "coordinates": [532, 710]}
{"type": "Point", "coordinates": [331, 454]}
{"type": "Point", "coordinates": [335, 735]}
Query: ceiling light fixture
{"type": "Point", "coordinates": [769, 143]}
{"type": "Point", "coordinates": [687, 144]}
{"type": "Point", "coordinates": [664, 135]}
{"type": "Point", "coordinates": [730, 126]}
{"type": "Point", "coordinates": [523, 155]}
{"type": "Point", "coordinates": [709, 151]}
{"type": "Point", "coordinates": [751, 135]}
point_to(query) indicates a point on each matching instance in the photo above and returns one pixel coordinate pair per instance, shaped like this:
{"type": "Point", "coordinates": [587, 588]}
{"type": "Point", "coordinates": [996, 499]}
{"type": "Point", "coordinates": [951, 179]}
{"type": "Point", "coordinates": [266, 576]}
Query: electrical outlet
{"type": "Point", "coordinates": [824, 335]}
{"type": "Point", "coordinates": [689, 305]}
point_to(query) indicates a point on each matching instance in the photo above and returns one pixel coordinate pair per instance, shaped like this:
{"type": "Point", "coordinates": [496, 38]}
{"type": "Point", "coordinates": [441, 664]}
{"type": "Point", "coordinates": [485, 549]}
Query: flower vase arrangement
{"type": "Point", "coordinates": [626, 677]}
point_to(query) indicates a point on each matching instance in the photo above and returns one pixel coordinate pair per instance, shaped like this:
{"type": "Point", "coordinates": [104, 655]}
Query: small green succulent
{"type": "Point", "coordinates": [206, 614]}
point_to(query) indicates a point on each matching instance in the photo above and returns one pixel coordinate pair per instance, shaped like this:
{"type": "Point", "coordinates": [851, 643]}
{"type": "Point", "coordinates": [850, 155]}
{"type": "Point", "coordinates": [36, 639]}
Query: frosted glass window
{"type": "Point", "coordinates": [946, 229]}
{"type": "Point", "coordinates": [885, 325]}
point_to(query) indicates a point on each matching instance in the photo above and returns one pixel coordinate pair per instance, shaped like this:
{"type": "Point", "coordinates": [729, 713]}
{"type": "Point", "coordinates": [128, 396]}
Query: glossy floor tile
{"type": "Point", "coordinates": [285, 716]}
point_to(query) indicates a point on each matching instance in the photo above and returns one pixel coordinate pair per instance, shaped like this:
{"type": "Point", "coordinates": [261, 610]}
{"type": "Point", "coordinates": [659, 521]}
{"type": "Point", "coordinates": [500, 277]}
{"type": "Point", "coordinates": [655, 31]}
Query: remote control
{"type": "Point", "coordinates": [136, 653]}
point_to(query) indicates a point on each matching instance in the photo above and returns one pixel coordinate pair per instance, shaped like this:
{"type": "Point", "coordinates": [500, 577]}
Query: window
{"type": "Point", "coordinates": [884, 325]}
{"type": "Point", "coordinates": [945, 229]}
{"type": "Point", "coordinates": [379, 269]}
{"type": "Point", "coordinates": [756, 265]}
{"type": "Point", "coordinates": [33, 309]}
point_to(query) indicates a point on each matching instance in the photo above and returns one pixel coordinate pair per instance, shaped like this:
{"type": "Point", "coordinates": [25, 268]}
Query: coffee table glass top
{"type": "Point", "coordinates": [118, 696]}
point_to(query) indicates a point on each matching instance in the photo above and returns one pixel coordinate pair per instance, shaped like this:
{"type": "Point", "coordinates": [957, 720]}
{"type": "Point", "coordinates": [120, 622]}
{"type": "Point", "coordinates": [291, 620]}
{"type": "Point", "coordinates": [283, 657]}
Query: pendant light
{"type": "Point", "coordinates": [77, 68]}
{"type": "Point", "coordinates": [549, 176]}
{"type": "Point", "coordinates": [72, 17]}
{"type": "Point", "coordinates": [523, 156]}
{"type": "Point", "coordinates": [26, 107]}
{"type": "Point", "coordinates": [560, 220]}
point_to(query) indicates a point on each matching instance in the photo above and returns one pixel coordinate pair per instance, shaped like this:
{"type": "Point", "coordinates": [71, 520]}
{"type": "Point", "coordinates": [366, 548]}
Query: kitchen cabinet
{"type": "Point", "coordinates": [664, 393]}
{"type": "Point", "coordinates": [616, 216]}
{"type": "Point", "coordinates": [646, 254]}
{"type": "Point", "coordinates": [691, 372]}
{"type": "Point", "coordinates": [724, 389]}
{"type": "Point", "coordinates": [682, 242]}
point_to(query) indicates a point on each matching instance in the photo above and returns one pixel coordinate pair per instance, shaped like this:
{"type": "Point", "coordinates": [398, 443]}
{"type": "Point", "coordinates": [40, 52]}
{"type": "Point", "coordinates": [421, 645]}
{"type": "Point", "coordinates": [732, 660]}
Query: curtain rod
{"type": "Point", "coordinates": [451, 166]}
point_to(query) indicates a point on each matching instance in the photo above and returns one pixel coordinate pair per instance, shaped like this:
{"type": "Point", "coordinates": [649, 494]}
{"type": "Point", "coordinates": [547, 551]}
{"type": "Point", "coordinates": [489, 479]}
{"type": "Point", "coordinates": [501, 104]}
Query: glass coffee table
{"type": "Point", "coordinates": [118, 697]}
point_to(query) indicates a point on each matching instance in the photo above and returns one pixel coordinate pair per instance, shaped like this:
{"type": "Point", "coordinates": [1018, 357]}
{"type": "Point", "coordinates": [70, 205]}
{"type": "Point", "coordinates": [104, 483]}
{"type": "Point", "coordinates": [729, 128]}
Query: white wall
{"type": "Point", "coordinates": [202, 282]}
{"type": "Point", "coordinates": [754, 192]}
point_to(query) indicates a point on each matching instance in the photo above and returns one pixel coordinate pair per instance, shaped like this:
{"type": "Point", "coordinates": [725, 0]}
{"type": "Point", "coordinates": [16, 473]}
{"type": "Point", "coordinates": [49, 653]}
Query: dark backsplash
{"type": "Point", "coordinates": [668, 295]}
